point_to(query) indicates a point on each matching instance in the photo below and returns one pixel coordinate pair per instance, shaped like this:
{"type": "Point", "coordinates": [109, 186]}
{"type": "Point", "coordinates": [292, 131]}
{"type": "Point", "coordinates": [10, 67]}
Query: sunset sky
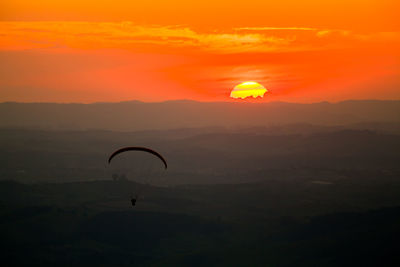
{"type": "Point", "coordinates": [98, 51]}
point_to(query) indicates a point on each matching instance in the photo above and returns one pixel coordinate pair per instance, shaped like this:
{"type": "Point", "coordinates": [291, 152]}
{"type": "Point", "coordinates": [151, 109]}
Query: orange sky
{"type": "Point", "coordinates": [301, 51]}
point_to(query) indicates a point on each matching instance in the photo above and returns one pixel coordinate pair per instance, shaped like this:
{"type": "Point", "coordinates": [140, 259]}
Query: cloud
{"type": "Point", "coordinates": [127, 35]}
{"type": "Point", "coordinates": [275, 29]}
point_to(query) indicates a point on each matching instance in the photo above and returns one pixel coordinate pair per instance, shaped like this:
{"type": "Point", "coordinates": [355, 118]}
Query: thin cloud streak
{"type": "Point", "coordinates": [275, 29]}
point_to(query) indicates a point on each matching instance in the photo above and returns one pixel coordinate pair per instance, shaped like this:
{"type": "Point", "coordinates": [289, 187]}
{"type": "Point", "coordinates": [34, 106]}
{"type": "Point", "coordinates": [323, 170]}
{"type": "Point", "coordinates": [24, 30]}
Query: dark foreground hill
{"type": "Point", "coordinates": [225, 225]}
{"type": "Point", "coordinates": [135, 115]}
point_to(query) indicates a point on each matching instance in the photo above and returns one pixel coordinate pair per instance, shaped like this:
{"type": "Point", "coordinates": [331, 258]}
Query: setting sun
{"type": "Point", "coordinates": [247, 89]}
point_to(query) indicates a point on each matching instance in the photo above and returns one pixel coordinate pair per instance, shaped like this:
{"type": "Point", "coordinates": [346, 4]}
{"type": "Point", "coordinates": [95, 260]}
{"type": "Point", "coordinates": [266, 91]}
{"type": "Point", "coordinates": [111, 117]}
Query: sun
{"type": "Point", "coordinates": [247, 89]}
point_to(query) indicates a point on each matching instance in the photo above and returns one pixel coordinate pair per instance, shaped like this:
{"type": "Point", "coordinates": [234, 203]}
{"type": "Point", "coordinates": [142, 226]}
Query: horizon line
{"type": "Point", "coordinates": [199, 101]}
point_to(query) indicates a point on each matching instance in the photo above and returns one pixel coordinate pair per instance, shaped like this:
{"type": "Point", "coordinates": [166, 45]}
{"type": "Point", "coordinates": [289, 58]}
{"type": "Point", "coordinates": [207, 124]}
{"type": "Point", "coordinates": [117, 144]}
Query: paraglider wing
{"type": "Point", "coordinates": [138, 148]}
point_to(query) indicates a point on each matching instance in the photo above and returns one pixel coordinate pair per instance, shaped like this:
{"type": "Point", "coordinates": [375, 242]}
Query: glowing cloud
{"type": "Point", "coordinates": [247, 89]}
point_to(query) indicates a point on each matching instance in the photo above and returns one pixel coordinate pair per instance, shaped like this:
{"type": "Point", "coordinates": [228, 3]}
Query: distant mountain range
{"type": "Point", "coordinates": [137, 116]}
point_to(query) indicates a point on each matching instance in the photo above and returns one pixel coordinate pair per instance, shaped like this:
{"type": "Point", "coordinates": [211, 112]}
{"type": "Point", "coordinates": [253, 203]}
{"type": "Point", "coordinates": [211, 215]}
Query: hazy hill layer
{"type": "Point", "coordinates": [135, 115]}
{"type": "Point", "coordinates": [203, 156]}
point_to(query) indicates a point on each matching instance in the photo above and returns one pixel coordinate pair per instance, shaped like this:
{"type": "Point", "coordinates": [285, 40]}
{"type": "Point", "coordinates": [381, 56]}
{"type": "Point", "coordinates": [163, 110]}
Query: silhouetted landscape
{"type": "Point", "coordinates": [273, 184]}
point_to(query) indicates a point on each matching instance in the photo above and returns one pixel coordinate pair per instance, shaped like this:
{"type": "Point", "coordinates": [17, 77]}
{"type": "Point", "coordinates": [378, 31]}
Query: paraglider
{"type": "Point", "coordinates": [119, 151]}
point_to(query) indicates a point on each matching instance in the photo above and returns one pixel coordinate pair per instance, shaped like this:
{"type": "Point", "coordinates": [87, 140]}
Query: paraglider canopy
{"type": "Point", "coordinates": [138, 148]}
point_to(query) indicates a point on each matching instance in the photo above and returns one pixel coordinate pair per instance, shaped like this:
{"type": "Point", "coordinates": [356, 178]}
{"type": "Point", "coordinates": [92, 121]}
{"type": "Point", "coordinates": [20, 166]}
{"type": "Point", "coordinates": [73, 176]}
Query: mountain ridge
{"type": "Point", "coordinates": [136, 115]}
